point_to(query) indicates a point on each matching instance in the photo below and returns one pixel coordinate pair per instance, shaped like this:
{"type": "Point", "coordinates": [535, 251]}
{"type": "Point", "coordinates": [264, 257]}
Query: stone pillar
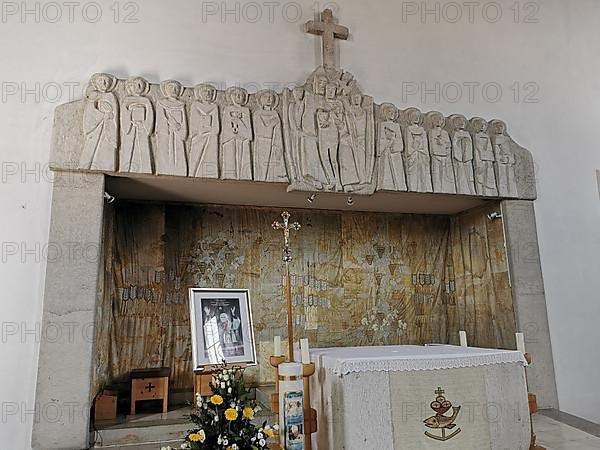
{"type": "Point", "coordinates": [529, 297]}
{"type": "Point", "coordinates": [63, 392]}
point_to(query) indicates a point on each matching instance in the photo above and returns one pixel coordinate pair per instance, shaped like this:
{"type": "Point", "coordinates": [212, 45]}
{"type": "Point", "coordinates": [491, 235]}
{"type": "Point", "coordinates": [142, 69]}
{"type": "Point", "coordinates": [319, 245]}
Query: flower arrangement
{"type": "Point", "coordinates": [224, 420]}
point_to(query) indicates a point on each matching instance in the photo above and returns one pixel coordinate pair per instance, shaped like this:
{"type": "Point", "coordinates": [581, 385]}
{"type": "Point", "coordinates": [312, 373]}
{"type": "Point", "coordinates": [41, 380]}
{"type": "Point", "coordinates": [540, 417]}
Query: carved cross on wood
{"type": "Point", "coordinates": [286, 226]}
{"type": "Point", "coordinates": [329, 32]}
{"type": "Point", "coordinates": [149, 387]}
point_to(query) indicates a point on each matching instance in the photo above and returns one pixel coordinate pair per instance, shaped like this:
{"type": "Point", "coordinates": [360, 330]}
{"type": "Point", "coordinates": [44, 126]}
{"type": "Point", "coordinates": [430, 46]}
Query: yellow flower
{"type": "Point", "coordinates": [216, 400]}
{"type": "Point", "coordinates": [248, 412]}
{"type": "Point", "coordinates": [269, 432]}
{"type": "Point", "coordinates": [231, 414]}
{"type": "Point", "coordinates": [197, 437]}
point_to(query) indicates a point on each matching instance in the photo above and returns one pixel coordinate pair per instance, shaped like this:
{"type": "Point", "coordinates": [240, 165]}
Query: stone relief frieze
{"type": "Point", "coordinates": [325, 135]}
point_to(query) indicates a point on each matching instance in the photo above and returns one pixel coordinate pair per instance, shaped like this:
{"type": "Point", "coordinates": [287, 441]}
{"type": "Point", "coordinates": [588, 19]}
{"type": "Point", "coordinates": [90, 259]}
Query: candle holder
{"type": "Point", "coordinates": [275, 362]}
{"type": "Point", "coordinates": [310, 414]}
{"type": "Point", "coordinates": [532, 400]}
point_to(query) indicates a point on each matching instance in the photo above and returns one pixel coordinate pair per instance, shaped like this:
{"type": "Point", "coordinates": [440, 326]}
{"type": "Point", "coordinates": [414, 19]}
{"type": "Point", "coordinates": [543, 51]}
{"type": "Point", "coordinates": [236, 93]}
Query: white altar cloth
{"type": "Point", "coordinates": [379, 398]}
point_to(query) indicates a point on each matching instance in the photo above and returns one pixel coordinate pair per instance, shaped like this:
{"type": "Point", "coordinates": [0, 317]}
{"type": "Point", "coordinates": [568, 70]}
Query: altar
{"type": "Point", "coordinates": [417, 397]}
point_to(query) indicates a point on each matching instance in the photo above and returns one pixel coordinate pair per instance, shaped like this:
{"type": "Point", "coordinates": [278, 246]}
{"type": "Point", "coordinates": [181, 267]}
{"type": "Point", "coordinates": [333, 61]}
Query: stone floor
{"type": "Point", "coordinates": [552, 434]}
{"type": "Point", "coordinates": [556, 435]}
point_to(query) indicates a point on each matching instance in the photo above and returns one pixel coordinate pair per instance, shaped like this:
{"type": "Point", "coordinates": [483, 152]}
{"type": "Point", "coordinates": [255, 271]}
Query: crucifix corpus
{"type": "Point", "coordinates": [287, 227]}
{"type": "Point", "coordinates": [329, 32]}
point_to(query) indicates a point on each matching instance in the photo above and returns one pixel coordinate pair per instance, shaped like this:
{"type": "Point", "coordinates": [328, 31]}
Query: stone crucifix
{"type": "Point", "coordinates": [329, 32]}
{"type": "Point", "coordinates": [287, 227]}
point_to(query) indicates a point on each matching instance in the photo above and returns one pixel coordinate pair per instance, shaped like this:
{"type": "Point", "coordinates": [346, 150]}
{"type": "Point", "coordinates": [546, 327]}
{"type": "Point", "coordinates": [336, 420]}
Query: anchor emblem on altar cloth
{"type": "Point", "coordinates": [440, 421]}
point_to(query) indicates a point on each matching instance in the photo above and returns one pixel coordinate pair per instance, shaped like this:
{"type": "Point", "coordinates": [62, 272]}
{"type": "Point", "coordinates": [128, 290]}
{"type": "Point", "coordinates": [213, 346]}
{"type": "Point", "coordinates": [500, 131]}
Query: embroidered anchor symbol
{"type": "Point", "coordinates": [440, 405]}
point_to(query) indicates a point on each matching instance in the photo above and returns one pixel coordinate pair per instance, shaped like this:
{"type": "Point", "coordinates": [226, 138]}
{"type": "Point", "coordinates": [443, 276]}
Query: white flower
{"type": "Point", "coordinates": [216, 419]}
{"type": "Point", "coordinates": [226, 377]}
{"type": "Point", "coordinates": [219, 440]}
{"type": "Point", "coordinates": [276, 427]}
{"type": "Point", "coordinates": [222, 385]}
{"type": "Point", "coordinates": [225, 441]}
{"type": "Point", "coordinates": [234, 447]}
{"type": "Point", "coordinates": [262, 442]}
{"type": "Point", "coordinates": [229, 390]}
{"type": "Point", "coordinates": [259, 435]}
{"type": "Point", "coordinates": [185, 445]}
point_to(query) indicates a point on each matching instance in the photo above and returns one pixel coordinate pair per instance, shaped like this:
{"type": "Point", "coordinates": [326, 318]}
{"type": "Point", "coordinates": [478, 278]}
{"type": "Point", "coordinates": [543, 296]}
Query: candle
{"type": "Point", "coordinates": [521, 342]}
{"type": "Point", "coordinates": [277, 346]}
{"type": "Point", "coordinates": [463, 338]}
{"type": "Point", "coordinates": [305, 351]}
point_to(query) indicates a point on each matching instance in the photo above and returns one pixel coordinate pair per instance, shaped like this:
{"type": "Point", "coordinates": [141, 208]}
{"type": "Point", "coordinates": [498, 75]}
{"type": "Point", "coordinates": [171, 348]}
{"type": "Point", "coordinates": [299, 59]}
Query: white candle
{"type": "Point", "coordinates": [277, 346]}
{"type": "Point", "coordinates": [463, 338]}
{"type": "Point", "coordinates": [291, 392]}
{"type": "Point", "coordinates": [305, 351]}
{"type": "Point", "coordinates": [521, 342]}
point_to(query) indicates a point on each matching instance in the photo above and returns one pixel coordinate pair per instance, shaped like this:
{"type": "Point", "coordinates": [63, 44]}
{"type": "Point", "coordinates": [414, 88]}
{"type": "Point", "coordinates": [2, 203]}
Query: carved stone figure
{"type": "Point", "coordinates": [328, 139]}
{"type": "Point", "coordinates": [269, 163]}
{"type": "Point", "coordinates": [171, 131]}
{"type": "Point", "coordinates": [485, 178]}
{"type": "Point", "coordinates": [348, 157]}
{"type": "Point", "coordinates": [357, 121]}
{"type": "Point", "coordinates": [505, 159]}
{"type": "Point", "coordinates": [418, 161]}
{"type": "Point", "coordinates": [462, 153]}
{"type": "Point", "coordinates": [137, 124]}
{"type": "Point", "coordinates": [330, 121]}
{"type": "Point", "coordinates": [390, 176]}
{"type": "Point", "coordinates": [100, 125]}
{"type": "Point", "coordinates": [311, 166]}
{"type": "Point", "coordinates": [295, 115]}
{"type": "Point", "coordinates": [236, 156]}
{"type": "Point", "coordinates": [205, 126]}
{"type": "Point", "coordinates": [440, 147]}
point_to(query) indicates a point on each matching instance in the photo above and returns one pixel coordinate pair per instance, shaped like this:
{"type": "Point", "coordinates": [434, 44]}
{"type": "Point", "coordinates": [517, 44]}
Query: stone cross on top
{"type": "Point", "coordinates": [329, 32]}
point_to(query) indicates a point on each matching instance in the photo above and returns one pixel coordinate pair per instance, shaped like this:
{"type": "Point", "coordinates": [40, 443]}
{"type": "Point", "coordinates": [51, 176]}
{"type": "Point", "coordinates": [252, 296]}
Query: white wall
{"type": "Point", "coordinates": [558, 54]}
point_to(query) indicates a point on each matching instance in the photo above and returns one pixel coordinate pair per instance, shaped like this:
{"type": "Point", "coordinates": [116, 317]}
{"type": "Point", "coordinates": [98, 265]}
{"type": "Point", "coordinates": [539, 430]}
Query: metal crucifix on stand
{"type": "Point", "coordinates": [287, 227]}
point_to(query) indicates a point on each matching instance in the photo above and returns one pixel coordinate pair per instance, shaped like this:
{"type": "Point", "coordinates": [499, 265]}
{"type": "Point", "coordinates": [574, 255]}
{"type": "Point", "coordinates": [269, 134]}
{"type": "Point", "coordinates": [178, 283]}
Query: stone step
{"type": "Point", "coordinates": [152, 431]}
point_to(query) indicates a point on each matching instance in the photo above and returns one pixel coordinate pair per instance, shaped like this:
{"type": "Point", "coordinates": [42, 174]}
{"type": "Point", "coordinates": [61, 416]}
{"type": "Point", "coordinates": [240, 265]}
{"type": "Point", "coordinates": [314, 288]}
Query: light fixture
{"type": "Point", "coordinates": [109, 198]}
{"type": "Point", "coordinates": [350, 201]}
{"type": "Point", "coordinates": [312, 198]}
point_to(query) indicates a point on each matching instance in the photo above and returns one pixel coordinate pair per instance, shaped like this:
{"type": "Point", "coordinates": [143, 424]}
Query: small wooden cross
{"type": "Point", "coordinates": [286, 226]}
{"type": "Point", "coordinates": [150, 387]}
{"type": "Point", "coordinates": [439, 392]}
{"type": "Point", "coordinates": [329, 32]}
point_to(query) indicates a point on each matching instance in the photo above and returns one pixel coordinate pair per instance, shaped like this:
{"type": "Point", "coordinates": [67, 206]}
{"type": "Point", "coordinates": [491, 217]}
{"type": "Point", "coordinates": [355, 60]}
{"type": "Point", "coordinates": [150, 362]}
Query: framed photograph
{"type": "Point", "coordinates": [221, 321]}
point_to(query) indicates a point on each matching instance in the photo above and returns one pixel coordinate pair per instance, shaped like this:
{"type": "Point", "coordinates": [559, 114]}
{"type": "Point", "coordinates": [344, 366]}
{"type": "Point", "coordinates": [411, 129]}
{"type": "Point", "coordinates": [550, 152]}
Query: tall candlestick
{"type": "Point", "coordinates": [305, 351]}
{"type": "Point", "coordinates": [277, 346]}
{"type": "Point", "coordinates": [521, 342]}
{"type": "Point", "coordinates": [463, 338]}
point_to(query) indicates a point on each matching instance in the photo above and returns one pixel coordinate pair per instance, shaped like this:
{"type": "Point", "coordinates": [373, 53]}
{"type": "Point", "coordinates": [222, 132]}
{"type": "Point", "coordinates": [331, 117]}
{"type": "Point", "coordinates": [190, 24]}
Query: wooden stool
{"type": "Point", "coordinates": [150, 384]}
{"type": "Point", "coordinates": [202, 382]}
{"type": "Point", "coordinates": [106, 405]}
{"type": "Point", "coordinates": [203, 378]}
